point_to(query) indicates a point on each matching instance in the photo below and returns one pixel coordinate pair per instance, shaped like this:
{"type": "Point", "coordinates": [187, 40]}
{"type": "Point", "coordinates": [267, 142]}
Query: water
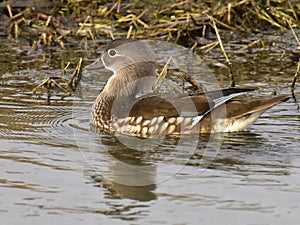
{"type": "Point", "coordinates": [54, 170]}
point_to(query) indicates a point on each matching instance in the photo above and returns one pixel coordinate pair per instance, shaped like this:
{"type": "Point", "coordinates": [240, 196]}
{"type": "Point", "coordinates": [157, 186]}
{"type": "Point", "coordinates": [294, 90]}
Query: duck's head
{"type": "Point", "coordinates": [133, 65]}
{"type": "Point", "coordinates": [121, 53]}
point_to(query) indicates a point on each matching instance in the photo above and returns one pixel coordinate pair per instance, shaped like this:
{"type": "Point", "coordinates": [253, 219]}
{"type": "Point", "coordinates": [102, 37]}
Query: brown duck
{"type": "Point", "coordinates": [122, 106]}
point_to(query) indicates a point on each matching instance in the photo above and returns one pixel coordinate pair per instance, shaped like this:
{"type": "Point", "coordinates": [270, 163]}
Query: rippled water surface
{"type": "Point", "coordinates": [53, 169]}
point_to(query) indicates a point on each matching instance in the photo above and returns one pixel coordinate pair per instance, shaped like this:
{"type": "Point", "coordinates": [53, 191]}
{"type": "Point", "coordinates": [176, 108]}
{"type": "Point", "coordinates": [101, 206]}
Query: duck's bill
{"type": "Point", "coordinates": [95, 65]}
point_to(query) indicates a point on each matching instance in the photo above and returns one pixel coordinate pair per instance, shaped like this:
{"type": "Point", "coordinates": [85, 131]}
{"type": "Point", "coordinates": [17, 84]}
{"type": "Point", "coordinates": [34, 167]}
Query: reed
{"type": "Point", "coordinates": [184, 22]}
{"type": "Point", "coordinates": [61, 22]}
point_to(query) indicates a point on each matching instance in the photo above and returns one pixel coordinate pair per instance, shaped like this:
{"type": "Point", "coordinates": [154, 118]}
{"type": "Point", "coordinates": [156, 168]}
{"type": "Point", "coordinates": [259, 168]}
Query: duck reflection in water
{"type": "Point", "coordinates": [130, 175]}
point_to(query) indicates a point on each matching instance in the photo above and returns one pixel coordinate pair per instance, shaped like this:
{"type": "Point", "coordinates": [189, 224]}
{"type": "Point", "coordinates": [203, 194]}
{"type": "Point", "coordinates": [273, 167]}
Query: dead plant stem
{"type": "Point", "coordinates": [231, 77]}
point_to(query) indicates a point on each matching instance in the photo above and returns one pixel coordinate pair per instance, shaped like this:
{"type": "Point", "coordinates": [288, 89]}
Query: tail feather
{"type": "Point", "coordinates": [241, 115]}
{"type": "Point", "coordinates": [260, 106]}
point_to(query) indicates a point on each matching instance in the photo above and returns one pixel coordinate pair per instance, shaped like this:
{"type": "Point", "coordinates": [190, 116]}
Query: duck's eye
{"type": "Point", "coordinates": [112, 52]}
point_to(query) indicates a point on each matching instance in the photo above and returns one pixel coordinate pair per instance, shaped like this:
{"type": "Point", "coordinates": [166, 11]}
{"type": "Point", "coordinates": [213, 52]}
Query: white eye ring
{"type": "Point", "coordinates": [112, 52]}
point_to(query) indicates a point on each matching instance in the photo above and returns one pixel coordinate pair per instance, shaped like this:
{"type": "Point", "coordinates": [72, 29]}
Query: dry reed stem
{"type": "Point", "coordinates": [295, 77]}
{"type": "Point", "coordinates": [9, 11]}
{"type": "Point", "coordinates": [293, 32]}
{"type": "Point", "coordinates": [184, 76]}
{"type": "Point", "coordinates": [231, 77]}
{"type": "Point", "coordinates": [251, 44]}
{"type": "Point", "coordinates": [76, 76]}
{"type": "Point", "coordinates": [162, 74]}
{"type": "Point", "coordinates": [116, 5]}
{"type": "Point", "coordinates": [129, 32]}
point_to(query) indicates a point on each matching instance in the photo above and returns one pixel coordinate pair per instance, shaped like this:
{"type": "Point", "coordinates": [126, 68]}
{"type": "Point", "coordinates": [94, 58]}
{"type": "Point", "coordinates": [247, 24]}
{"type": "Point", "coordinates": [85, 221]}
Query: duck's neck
{"type": "Point", "coordinates": [131, 80]}
{"type": "Point", "coordinates": [120, 90]}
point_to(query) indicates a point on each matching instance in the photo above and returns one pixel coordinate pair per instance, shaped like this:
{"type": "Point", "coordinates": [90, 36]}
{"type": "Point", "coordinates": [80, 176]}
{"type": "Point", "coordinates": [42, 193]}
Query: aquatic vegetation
{"type": "Point", "coordinates": [191, 23]}
{"type": "Point", "coordinates": [183, 22]}
{"type": "Point", "coordinates": [66, 86]}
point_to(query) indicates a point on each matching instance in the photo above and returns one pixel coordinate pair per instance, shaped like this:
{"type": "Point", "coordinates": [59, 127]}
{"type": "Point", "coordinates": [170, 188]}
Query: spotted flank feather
{"type": "Point", "coordinates": [151, 127]}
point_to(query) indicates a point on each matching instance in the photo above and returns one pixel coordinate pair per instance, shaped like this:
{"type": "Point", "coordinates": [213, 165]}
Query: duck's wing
{"type": "Point", "coordinates": [172, 105]}
{"type": "Point", "coordinates": [217, 103]}
{"type": "Point", "coordinates": [177, 113]}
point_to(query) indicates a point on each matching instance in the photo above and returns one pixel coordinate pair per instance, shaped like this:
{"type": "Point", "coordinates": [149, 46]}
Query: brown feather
{"type": "Point", "coordinates": [171, 105]}
{"type": "Point", "coordinates": [237, 111]}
